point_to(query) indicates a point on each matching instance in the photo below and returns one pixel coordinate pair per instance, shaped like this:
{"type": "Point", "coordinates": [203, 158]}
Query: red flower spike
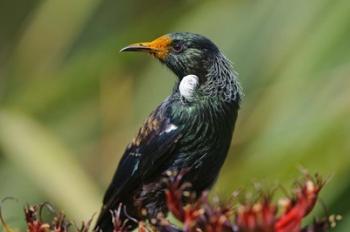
{"type": "Point", "coordinates": [33, 223]}
{"type": "Point", "coordinates": [60, 224]}
{"type": "Point", "coordinates": [174, 194]}
{"type": "Point", "coordinates": [257, 217]}
{"type": "Point", "coordinates": [119, 224]}
{"type": "Point", "coordinates": [262, 216]}
{"type": "Point", "coordinates": [305, 199]}
{"type": "Point", "coordinates": [174, 204]}
{"type": "Point", "coordinates": [198, 215]}
{"type": "Point", "coordinates": [85, 225]}
{"type": "Point", "coordinates": [216, 219]}
{"type": "Point", "coordinates": [192, 213]}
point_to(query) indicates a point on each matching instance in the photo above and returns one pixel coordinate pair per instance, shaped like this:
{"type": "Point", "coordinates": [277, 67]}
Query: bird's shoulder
{"type": "Point", "coordinates": [162, 130]}
{"type": "Point", "coordinates": [154, 142]}
{"type": "Point", "coordinates": [151, 127]}
{"type": "Point", "coordinates": [159, 126]}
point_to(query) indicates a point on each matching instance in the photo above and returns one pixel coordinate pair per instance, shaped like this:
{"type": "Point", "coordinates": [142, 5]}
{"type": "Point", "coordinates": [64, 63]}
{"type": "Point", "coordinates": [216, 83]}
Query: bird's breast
{"type": "Point", "coordinates": [207, 132]}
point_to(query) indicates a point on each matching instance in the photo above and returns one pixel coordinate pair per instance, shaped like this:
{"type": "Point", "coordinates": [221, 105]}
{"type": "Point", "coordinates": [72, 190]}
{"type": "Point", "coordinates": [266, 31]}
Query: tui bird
{"type": "Point", "coordinates": [190, 130]}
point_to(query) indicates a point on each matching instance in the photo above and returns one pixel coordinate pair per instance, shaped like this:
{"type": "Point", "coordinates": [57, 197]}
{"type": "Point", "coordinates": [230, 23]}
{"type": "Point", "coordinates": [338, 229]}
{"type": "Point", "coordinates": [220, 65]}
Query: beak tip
{"type": "Point", "coordinates": [136, 47]}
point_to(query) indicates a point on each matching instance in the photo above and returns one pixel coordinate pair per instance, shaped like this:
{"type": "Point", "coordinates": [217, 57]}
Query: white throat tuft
{"type": "Point", "coordinates": [187, 86]}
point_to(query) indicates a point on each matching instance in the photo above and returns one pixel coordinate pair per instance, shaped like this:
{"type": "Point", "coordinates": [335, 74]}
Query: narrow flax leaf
{"type": "Point", "coordinates": [50, 165]}
{"type": "Point", "coordinates": [68, 18]}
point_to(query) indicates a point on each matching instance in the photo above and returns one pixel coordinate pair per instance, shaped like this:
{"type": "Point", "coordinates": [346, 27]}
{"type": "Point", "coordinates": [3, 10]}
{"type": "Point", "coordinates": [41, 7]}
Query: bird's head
{"type": "Point", "coordinates": [188, 54]}
{"type": "Point", "coordinates": [184, 53]}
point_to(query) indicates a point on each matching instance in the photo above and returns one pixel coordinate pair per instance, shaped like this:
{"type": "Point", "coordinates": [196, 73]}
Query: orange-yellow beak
{"type": "Point", "coordinates": [158, 47]}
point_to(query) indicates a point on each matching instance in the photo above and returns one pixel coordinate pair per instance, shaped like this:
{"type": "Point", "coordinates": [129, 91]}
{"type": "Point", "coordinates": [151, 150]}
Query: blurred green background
{"type": "Point", "coordinates": [69, 102]}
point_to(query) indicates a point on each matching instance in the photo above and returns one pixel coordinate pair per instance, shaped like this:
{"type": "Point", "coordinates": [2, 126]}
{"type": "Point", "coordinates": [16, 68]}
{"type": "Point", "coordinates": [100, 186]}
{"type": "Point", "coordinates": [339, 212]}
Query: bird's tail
{"type": "Point", "coordinates": [105, 221]}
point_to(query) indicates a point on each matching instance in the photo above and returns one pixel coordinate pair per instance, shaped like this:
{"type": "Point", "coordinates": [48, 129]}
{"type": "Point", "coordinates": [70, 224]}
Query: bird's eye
{"type": "Point", "coordinates": [178, 47]}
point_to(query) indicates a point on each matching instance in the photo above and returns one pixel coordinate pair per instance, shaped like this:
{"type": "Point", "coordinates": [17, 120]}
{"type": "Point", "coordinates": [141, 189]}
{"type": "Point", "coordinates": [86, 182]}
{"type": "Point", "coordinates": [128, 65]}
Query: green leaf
{"type": "Point", "coordinates": [51, 166]}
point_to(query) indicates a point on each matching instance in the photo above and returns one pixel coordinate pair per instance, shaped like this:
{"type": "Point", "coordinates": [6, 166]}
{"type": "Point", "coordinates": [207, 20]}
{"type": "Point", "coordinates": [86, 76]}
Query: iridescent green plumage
{"type": "Point", "coordinates": [178, 135]}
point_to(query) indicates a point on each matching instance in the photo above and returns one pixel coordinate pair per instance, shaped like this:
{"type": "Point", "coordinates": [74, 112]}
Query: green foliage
{"type": "Point", "coordinates": [69, 102]}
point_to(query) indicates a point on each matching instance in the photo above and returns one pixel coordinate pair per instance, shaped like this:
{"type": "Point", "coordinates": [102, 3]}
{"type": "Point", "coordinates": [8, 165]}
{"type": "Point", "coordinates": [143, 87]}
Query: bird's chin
{"type": "Point", "coordinates": [180, 75]}
{"type": "Point", "coordinates": [179, 71]}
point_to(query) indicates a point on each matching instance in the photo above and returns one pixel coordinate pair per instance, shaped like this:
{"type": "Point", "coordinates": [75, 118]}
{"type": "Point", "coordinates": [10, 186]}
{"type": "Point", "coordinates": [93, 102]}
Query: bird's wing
{"type": "Point", "coordinates": [155, 142]}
